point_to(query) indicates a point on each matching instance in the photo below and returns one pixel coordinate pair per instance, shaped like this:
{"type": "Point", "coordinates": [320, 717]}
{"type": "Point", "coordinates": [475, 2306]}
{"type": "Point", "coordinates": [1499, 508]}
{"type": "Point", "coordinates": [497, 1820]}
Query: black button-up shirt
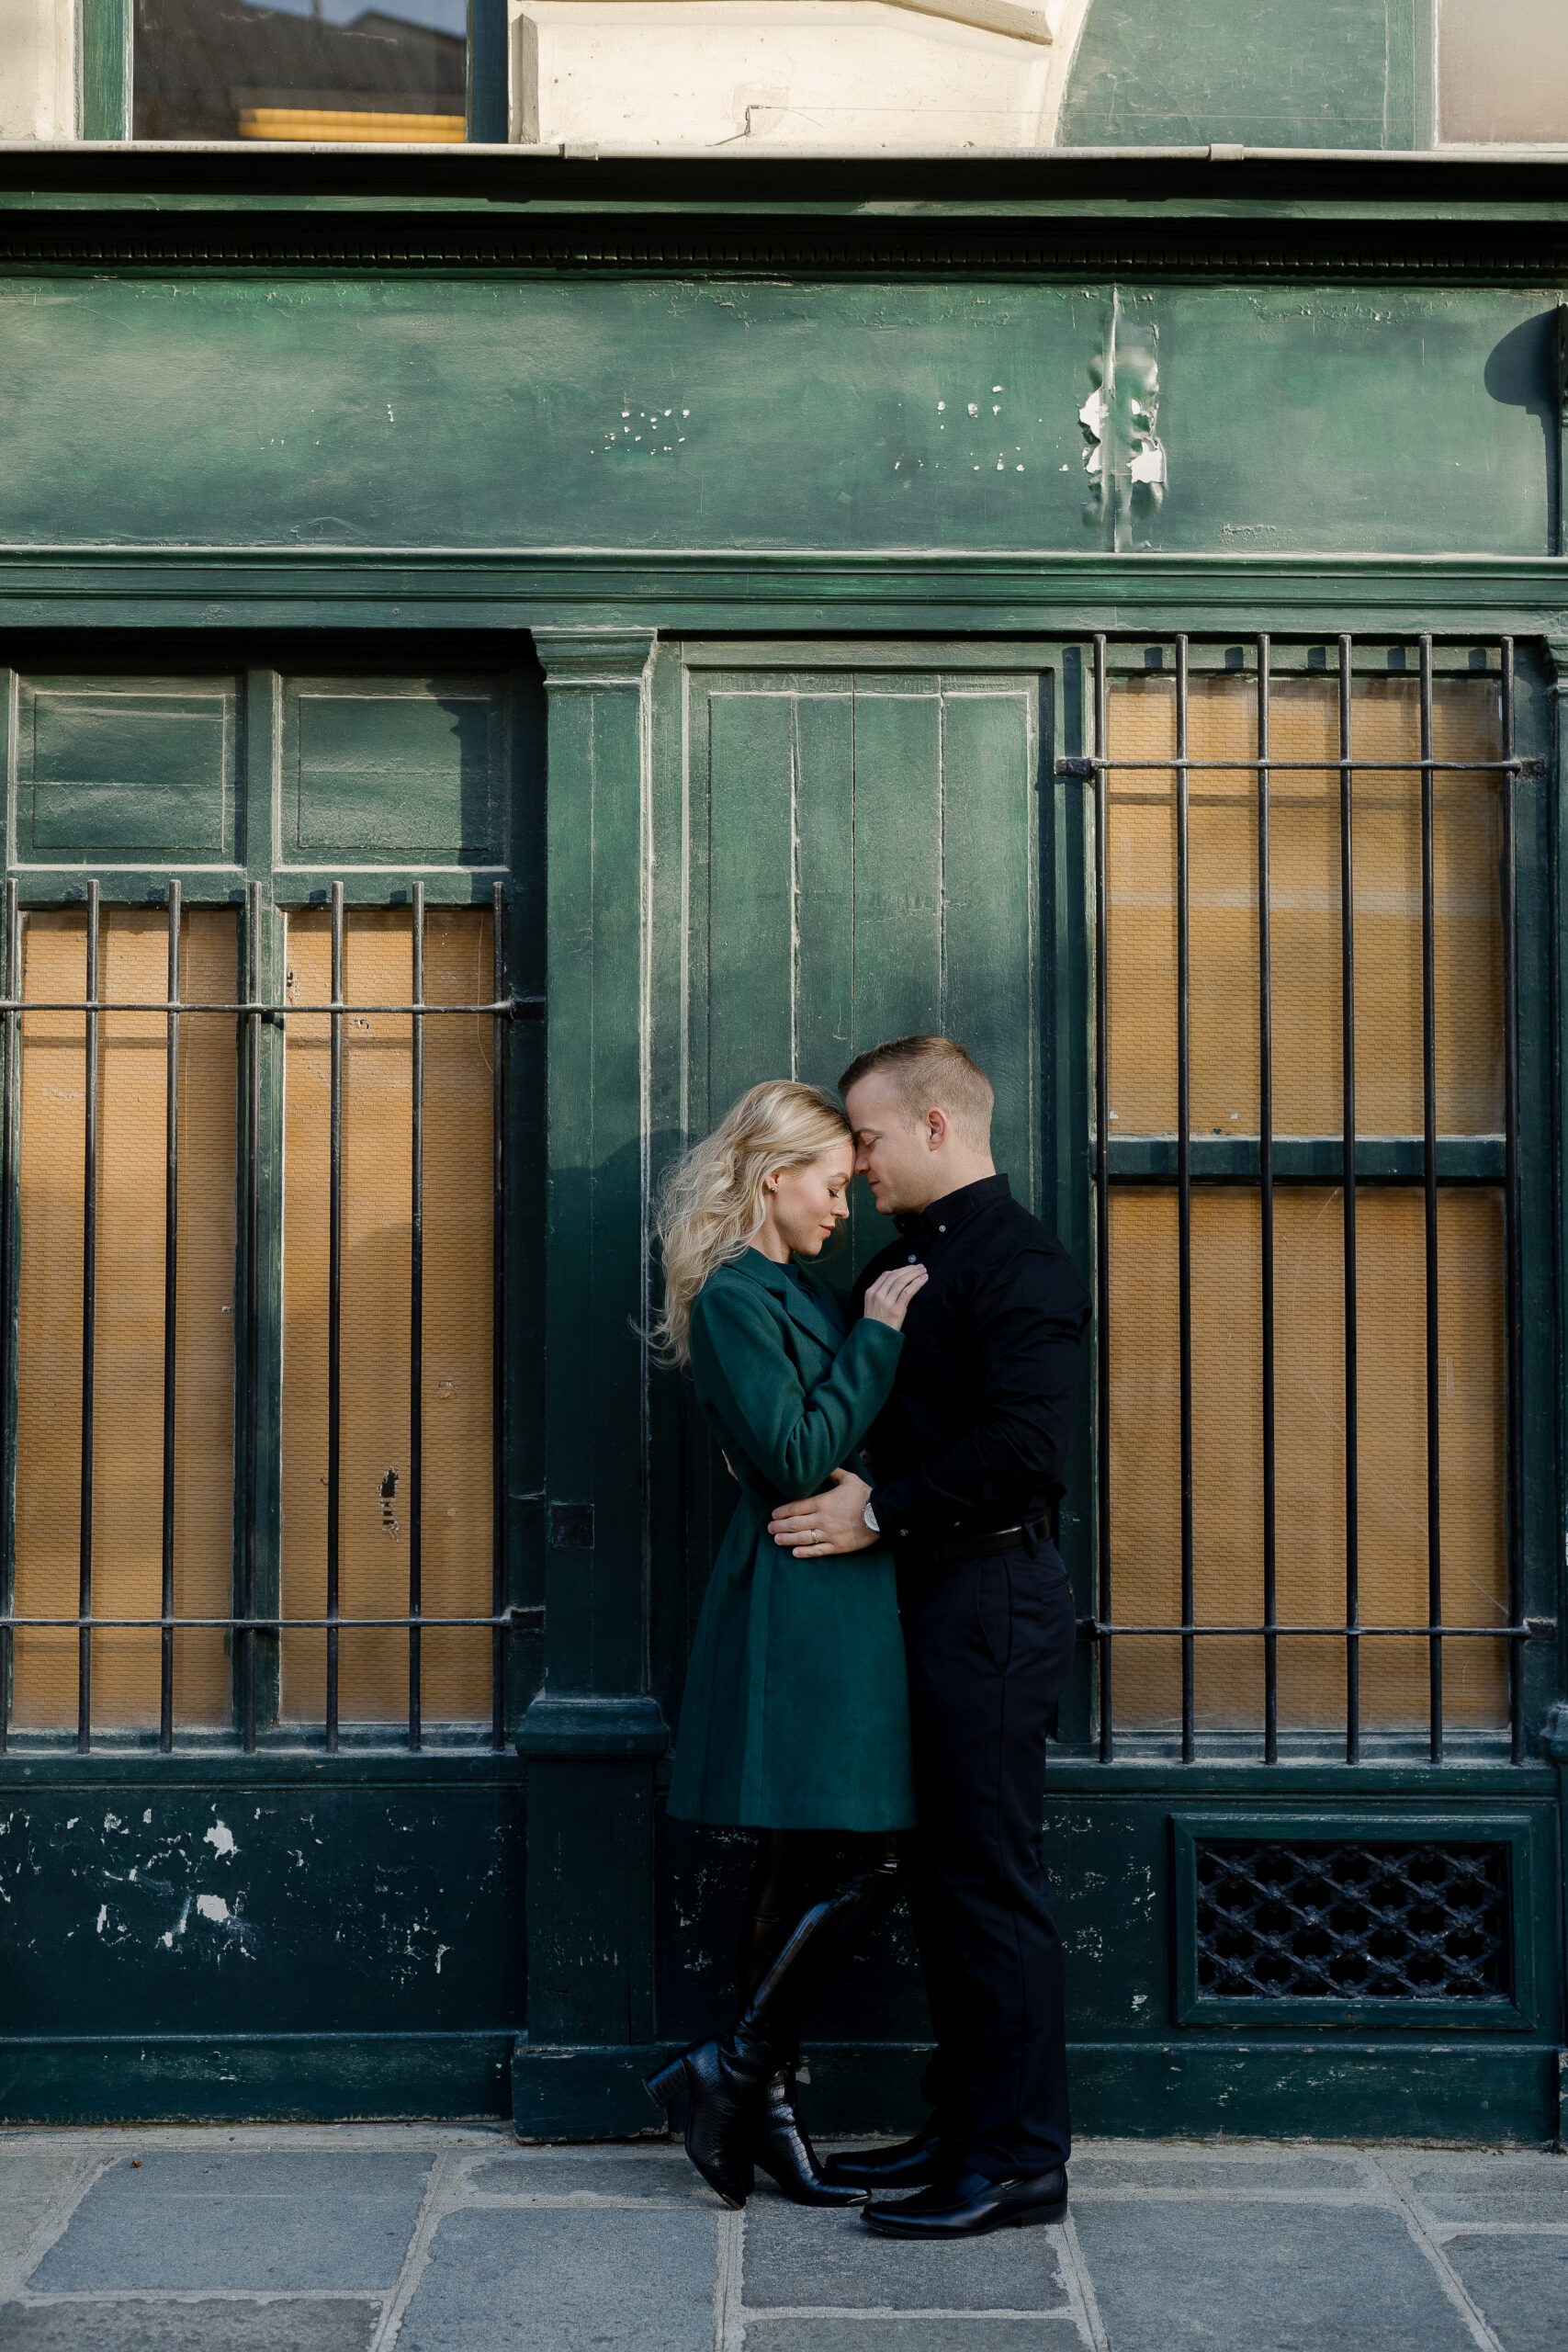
{"type": "Point", "coordinates": [975, 1433]}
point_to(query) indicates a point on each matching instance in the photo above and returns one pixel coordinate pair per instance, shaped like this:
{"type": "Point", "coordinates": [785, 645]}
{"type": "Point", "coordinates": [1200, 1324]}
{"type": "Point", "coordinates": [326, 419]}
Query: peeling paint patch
{"type": "Point", "coordinates": [103, 1916]}
{"type": "Point", "coordinates": [220, 1837]}
{"type": "Point", "coordinates": [212, 1907]}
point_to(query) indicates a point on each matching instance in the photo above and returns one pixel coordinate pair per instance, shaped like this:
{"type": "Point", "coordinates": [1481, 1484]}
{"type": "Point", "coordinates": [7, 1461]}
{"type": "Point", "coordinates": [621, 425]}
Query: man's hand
{"type": "Point", "coordinates": [823, 1525]}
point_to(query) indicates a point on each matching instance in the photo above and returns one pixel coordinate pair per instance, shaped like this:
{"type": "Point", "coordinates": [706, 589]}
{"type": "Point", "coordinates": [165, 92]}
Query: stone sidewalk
{"type": "Point", "coordinates": [358, 2238]}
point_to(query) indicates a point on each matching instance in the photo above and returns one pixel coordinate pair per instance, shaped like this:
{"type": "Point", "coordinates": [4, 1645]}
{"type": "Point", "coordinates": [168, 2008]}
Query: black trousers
{"type": "Point", "coordinates": [989, 1645]}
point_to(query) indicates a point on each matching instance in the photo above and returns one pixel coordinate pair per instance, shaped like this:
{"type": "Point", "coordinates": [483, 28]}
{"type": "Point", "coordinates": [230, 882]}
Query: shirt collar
{"type": "Point", "coordinates": [955, 1208]}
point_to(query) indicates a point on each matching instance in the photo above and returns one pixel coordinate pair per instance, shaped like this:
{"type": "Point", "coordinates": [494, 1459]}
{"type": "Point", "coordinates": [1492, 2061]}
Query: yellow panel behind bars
{"type": "Point", "coordinates": [127, 1452]}
{"type": "Point", "coordinates": [1309, 1288]}
{"type": "Point", "coordinates": [1304, 908]}
{"type": "Point", "coordinates": [1227, 1445]}
{"type": "Point", "coordinates": [376, 1222]}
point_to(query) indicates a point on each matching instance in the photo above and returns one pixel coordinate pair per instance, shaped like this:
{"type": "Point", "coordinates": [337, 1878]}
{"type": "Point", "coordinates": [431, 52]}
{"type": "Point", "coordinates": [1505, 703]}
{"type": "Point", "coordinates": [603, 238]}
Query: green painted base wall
{"type": "Point", "coordinates": [1246, 2089]}
{"type": "Point", "coordinates": [259, 1937]}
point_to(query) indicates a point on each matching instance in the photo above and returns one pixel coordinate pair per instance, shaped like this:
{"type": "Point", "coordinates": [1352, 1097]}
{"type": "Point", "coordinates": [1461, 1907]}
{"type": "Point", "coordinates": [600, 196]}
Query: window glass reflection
{"type": "Point", "coordinates": [300, 69]}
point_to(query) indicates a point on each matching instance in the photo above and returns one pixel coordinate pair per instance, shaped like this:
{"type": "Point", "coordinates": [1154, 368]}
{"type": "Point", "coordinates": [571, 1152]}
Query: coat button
{"type": "Point", "coordinates": [911, 1256]}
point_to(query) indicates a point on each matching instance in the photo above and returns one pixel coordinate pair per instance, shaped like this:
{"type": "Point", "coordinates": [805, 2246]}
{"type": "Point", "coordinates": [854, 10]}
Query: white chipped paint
{"type": "Point", "coordinates": [147, 1816]}
{"type": "Point", "coordinates": [167, 1939]}
{"type": "Point", "coordinates": [213, 1908]}
{"type": "Point", "coordinates": [220, 1837]}
{"type": "Point", "coordinates": [103, 1916]}
{"type": "Point", "coordinates": [1092, 416]}
{"type": "Point", "coordinates": [74, 1820]}
{"type": "Point", "coordinates": [113, 1820]}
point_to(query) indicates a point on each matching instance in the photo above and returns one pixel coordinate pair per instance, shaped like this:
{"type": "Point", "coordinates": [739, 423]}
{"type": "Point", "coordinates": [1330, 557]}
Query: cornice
{"type": "Point", "coordinates": [1527, 252]}
{"type": "Point", "coordinates": [605, 602]}
{"type": "Point", "coordinates": [1209, 211]}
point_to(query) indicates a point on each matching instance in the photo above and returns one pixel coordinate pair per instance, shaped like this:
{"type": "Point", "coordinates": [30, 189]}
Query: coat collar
{"type": "Point", "coordinates": [800, 1302]}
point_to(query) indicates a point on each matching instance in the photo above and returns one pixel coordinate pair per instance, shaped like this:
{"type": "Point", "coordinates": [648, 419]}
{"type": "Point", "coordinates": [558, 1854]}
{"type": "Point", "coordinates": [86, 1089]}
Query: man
{"type": "Point", "coordinates": [967, 1460]}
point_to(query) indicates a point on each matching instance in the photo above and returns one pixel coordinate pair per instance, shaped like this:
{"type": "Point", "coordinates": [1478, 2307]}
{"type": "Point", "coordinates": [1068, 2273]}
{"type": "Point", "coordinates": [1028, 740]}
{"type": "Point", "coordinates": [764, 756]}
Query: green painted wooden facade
{"type": "Point", "coordinates": [653, 454]}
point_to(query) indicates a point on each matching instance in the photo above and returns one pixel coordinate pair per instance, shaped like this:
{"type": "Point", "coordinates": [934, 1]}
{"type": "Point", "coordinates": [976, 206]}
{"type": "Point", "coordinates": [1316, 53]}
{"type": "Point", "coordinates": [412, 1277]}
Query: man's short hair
{"type": "Point", "coordinates": [929, 1074]}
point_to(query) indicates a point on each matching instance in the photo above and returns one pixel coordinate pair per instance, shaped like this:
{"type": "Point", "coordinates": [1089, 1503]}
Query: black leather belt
{"type": "Point", "coordinates": [982, 1546]}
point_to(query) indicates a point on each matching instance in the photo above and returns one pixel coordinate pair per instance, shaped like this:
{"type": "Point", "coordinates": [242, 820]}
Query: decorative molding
{"type": "Point", "coordinates": [593, 657]}
{"type": "Point", "coordinates": [595, 611]}
{"type": "Point", "coordinates": [1534, 253]}
{"type": "Point", "coordinates": [588, 1726]}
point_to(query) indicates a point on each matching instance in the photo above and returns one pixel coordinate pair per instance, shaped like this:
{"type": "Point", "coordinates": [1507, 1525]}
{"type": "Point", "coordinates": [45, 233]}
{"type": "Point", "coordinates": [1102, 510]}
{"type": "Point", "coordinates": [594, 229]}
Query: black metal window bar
{"type": "Point", "coordinates": [247, 1623]}
{"type": "Point", "coordinates": [1353, 1632]}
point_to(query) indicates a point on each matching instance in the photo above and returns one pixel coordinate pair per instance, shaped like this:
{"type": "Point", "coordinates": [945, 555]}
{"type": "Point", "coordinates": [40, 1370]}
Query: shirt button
{"type": "Point", "coordinates": [911, 1256]}
{"type": "Point", "coordinates": [942, 1228]}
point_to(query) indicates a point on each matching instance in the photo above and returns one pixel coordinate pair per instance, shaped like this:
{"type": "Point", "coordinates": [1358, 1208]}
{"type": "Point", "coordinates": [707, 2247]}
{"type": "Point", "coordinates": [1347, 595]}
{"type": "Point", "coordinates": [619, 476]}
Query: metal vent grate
{"type": "Point", "coordinates": [1352, 1922]}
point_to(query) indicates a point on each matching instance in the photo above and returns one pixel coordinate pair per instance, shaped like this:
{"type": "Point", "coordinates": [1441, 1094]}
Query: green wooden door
{"type": "Point", "coordinates": [862, 858]}
{"type": "Point", "coordinates": [864, 862]}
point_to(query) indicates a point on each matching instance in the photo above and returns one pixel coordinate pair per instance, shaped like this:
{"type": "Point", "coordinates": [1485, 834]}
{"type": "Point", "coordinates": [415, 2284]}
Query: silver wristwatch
{"type": "Point", "coordinates": [870, 1516]}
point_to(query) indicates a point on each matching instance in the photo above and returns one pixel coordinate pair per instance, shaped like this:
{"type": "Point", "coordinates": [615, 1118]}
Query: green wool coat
{"type": "Point", "coordinates": [797, 1711]}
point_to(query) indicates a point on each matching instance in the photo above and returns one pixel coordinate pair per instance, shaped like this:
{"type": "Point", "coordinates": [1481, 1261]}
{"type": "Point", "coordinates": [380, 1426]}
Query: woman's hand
{"type": "Point", "coordinates": [887, 1300]}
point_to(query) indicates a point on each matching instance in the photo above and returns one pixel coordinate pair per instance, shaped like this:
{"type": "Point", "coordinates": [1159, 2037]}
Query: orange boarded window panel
{"type": "Point", "coordinates": [128, 1447]}
{"type": "Point", "coordinates": [376, 1349]}
{"type": "Point", "coordinates": [1227, 1379]}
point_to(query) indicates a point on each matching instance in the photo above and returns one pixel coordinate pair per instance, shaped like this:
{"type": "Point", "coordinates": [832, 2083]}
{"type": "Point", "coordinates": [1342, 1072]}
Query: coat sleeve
{"type": "Point", "coordinates": [792, 1435]}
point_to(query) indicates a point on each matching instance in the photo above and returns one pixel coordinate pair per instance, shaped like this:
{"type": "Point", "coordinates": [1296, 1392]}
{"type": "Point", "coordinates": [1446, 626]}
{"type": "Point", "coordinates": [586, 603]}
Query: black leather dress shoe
{"type": "Point", "coordinates": [967, 2204]}
{"type": "Point", "coordinates": [913, 2163]}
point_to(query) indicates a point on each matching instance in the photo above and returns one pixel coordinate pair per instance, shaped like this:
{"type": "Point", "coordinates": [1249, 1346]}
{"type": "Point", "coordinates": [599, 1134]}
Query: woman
{"type": "Point", "coordinates": [795, 1718]}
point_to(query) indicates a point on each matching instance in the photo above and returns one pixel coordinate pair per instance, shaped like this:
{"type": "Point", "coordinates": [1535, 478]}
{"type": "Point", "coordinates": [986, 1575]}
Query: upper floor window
{"type": "Point", "coordinates": [335, 70]}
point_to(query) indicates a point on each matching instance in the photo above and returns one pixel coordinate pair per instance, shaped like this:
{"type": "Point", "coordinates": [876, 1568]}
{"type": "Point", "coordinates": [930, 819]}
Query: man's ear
{"type": "Point", "coordinates": [936, 1129]}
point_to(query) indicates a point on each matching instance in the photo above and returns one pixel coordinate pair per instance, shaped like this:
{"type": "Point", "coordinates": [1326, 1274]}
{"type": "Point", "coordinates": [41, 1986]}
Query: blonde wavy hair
{"type": "Point", "coordinates": [710, 1203]}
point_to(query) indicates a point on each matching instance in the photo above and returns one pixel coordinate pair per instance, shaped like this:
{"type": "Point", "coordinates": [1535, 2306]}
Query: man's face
{"type": "Point", "coordinates": [892, 1153]}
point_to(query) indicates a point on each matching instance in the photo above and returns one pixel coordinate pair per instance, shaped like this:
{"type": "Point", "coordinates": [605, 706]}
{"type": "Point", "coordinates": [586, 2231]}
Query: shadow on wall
{"type": "Point", "coordinates": [1525, 370]}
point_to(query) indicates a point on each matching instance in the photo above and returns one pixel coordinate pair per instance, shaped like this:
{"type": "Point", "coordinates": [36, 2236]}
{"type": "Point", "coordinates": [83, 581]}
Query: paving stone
{"type": "Point", "coordinates": [30, 2180]}
{"type": "Point", "coordinates": [543, 2280]}
{"type": "Point", "coordinates": [1520, 2281]}
{"type": "Point", "coordinates": [799, 2254]}
{"type": "Point", "coordinates": [913, 2336]}
{"type": "Point", "coordinates": [250, 2220]}
{"type": "Point", "coordinates": [1274, 2277]}
{"type": "Point", "coordinates": [1496, 2188]}
{"type": "Point", "coordinates": [291, 2324]}
{"type": "Point", "coordinates": [1198, 2170]}
{"type": "Point", "coordinates": [595, 2173]}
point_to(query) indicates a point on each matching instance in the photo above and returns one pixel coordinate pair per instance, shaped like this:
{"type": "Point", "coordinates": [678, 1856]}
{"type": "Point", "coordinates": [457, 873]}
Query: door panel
{"type": "Point", "coordinates": [864, 863]}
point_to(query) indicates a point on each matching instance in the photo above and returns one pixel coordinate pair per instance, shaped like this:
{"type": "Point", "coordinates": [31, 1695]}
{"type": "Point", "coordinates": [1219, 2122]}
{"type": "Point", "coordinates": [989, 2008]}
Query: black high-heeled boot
{"type": "Point", "coordinates": [724, 2079]}
{"type": "Point", "coordinates": [793, 1869]}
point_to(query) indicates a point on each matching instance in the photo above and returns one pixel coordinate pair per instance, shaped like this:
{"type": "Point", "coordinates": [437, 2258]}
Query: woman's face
{"type": "Point", "coordinates": [808, 1202]}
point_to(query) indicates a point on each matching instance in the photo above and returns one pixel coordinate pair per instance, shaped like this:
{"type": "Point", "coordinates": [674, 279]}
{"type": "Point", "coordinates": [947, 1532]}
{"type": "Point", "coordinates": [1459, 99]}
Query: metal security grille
{"type": "Point", "coordinates": [246, 1624]}
{"type": "Point", "coordinates": [1317, 1166]}
{"type": "Point", "coordinates": [1390, 1922]}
